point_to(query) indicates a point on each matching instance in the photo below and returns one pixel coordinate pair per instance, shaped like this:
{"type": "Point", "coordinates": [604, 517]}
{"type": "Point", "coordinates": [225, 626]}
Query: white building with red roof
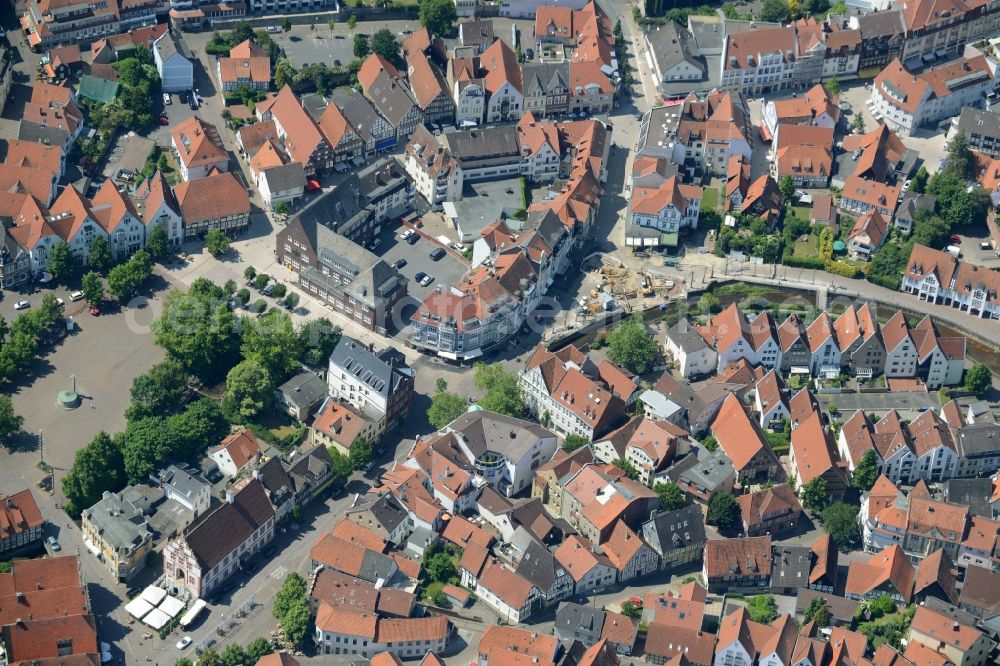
{"type": "Point", "coordinates": [938, 277]}
{"type": "Point", "coordinates": [669, 208]}
{"type": "Point", "coordinates": [907, 101]}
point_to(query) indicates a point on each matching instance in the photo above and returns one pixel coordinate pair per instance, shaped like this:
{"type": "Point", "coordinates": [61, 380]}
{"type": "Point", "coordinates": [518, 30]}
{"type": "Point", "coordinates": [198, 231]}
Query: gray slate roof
{"type": "Point", "coordinates": [673, 44]}
{"type": "Point", "coordinates": [286, 177]}
{"type": "Point", "coordinates": [543, 78]}
{"type": "Point", "coordinates": [675, 530]}
{"type": "Point", "coordinates": [391, 99]}
{"type": "Point", "coordinates": [481, 431]}
{"type": "Point", "coordinates": [685, 337]}
{"type": "Point", "coordinates": [790, 566]}
{"type": "Point", "coordinates": [382, 372]}
{"type": "Point", "coordinates": [122, 524]}
{"type": "Point", "coordinates": [539, 566]}
{"type": "Point", "coordinates": [572, 618]}
{"type": "Point", "coordinates": [305, 390]}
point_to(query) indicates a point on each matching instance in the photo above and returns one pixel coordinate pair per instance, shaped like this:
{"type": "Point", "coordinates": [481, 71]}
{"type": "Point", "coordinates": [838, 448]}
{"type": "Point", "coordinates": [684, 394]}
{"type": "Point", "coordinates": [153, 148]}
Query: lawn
{"type": "Point", "coordinates": [710, 199]}
{"type": "Point", "coordinates": [173, 176]}
{"type": "Point", "coordinates": [431, 589]}
{"type": "Point", "coordinates": [809, 247]}
{"type": "Point", "coordinates": [779, 442]}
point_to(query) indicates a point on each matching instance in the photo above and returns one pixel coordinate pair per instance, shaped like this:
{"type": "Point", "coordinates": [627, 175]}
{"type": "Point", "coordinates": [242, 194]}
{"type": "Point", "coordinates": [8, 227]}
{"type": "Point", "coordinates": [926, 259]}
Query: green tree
{"type": "Point", "coordinates": [961, 162]}
{"type": "Point", "coordinates": [62, 263]}
{"type": "Point", "coordinates": [243, 296]}
{"type": "Point", "coordinates": [234, 655]}
{"type": "Point", "coordinates": [92, 288]}
{"type": "Point", "coordinates": [438, 16]}
{"type": "Point", "coordinates": [362, 453]}
{"type": "Point", "coordinates": [503, 394]}
{"type": "Point", "coordinates": [197, 330]}
{"type": "Point", "coordinates": [361, 46]}
{"type": "Point", "coordinates": [183, 661]}
{"type": "Point", "coordinates": [832, 85]}
{"type": "Point", "coordinates": [159, 392]}
{"type": "Point", "coordinates": [627, 467]}
{"type": "Point", "coordinates": [671, 496]}
{"type": "Point", "coordinates": [96, 468]}
{"type": "Point", "coordinates": [249, 390]}
{"type": "Point", "coordinates": [257, 648]}
{"type": "Point", "coordinates": [145, 443]}
{"type": "Point", "coordinates": [978, 379]}
{"type": "Point", "coordinates": [217, 243]}
{"type": "Point", "coordinates": [286, 24]}
{"type": "Point", "coordinates": [209, 658]}
{"type": "Point", "coordinates": [384, 43]}
{"type": "Point", "coordinates": [632, 610]}
{"type": "Point", "coordinates": [815, 497]}
{"type": "Point", "coordinates": [261, 280]}
{"type": "Point", "coordinates": [445, 408]}
{"type": "Point", "coordinates": [840, 521]}
{"type": "Point", "coordinates": [341, 466]}
{"type": "Point", "coordinates": [574, 442]}
{"type": "Point", "coordinates": [10, 421]}
{"type": "Point", "coordinates": [775, 11]}
{"type": "Point", "coordinates": [157, 243]}
{"type": "Point", "coordinates": [279, 290]}
{"type": "Point", "coordinates": [230, 287]}
{"type": "Point", "coordinates": [296, 622]}
{"type": "Point", "coordinates": [292, 589]}
{"type": "Point", "coordinates": [709, 304]}
{"type": "Point", "coordinates": [866, 473]}
{"type": "Point", "coordinates": [352, 22]}
{"type": "Point", "coordinates": [124, 279]}
{"type": "Point", "coordinates": [439, 567]}
{"type": "Point", "coordinates": [99, 256]}
{"type": "Point", "coordinates": [284, 73]}
{"type": "Point", "coordinates": [273, 342]}
{"type": "Point", "coordinates": [250, 273]}
{"type": "Point", "coordinates": [292, 300]}
{"type": "Point", "coordinates": [710, 443]}
{"type": "Point", "coordinates": [763, 608]}
{"type": "Point", "coordinates": [958, 204]}
{"type": "Point", "coordinates": [631, 346]}
{"type": "Point", "coordinates": [858, 125]}
{"type": "Point", "coordinates": [819, 612]}
{"type": "Point", "coordinates": [919, 184]}
{"type": "Point", "coordinates": [723, 511]}
{"type": "Point", "coordinates": [197, 428]}
{"type": "Point", "coordinates": [317, 340]}
{"type": "Point", "coordinates": [787, 187]}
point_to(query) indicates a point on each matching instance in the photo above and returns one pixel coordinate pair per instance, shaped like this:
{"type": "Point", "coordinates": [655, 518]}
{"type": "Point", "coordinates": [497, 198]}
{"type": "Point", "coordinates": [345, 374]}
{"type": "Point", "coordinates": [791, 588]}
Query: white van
{"type": "Point", "coordinates": [76, 296]}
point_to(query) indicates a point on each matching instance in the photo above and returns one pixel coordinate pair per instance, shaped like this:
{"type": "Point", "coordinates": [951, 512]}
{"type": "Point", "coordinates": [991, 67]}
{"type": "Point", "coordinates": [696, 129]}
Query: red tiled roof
{"type": "Point", "coordinates": [214, 197]}
{"type": "Point", "coordinates": [750, 556]}
{"type": "Point", "coordinates": [19, 513]}
{"type": "Point", "coordinates": [738, 435]}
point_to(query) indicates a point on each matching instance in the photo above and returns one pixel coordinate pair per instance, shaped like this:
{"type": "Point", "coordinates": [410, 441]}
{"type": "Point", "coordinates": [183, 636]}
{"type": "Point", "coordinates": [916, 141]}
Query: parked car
{"type": "Point", "coordinates": [53, 544]}
{"type": "Point", "coordinates": [95, 311]}
{"type": "Point", "coordinates": [413, 239]}
{"type": "Point", "coordinates": [437, 253]}
{"type": "Point", "coordinates": [406, 234]}
{"type": "Point", "coordinates": [419, 276]}
{"type": "Point", "coordinates": [166, 99]}
{"type": "Point", "coordinates": [399, 263]}
{"type": "Point", "coordinates": [427, 280]}
{"type": "Point", "coordinates": [183, 643]}
{"type": "Point", "coordinates": [163, 120]}
{"type": "Point", "coordinates": [955, 238]}
{"type": "Point", "coordinates": [273, 29]}
{"type": "Point", "coordinates": [985, 246]}
{"type": "Point", "coordinates": [374, 244]}
{"type": "Point", "coordinates": [22, 305]}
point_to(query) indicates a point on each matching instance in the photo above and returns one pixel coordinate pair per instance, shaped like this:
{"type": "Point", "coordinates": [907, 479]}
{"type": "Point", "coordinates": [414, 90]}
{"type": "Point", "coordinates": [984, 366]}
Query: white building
{"type": "Point", "coordinates": [203, 558]}
{"type": "Point", "coordinates": [900, 352]}
{"type": "Point", "coordinates": [176, 71]}
{"type": "Point", "coordinates": [693, 356]}
{"type": "Point", "coordinates": [669, 208]}
{"type": "Point", "coordinates": [937, 277]}
{"type": "Point", "coordinates": [907, 102]}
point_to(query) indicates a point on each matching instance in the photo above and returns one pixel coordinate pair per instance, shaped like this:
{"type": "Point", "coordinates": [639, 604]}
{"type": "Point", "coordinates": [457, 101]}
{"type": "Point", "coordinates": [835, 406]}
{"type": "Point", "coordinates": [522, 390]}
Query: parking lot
{"type": "Point", "coordinates": [445, 271]}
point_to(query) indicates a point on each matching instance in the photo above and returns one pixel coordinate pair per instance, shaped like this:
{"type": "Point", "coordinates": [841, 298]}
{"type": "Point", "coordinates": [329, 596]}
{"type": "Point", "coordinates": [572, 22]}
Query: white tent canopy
{"type": "Point", "coordinates": [138, 608]}
{"type": "Point", "coordinates": [153, 595]}
{"type": "Point", "coordinates": [156, 618]}
{"type": "Point", "coordinates": [172, 606]}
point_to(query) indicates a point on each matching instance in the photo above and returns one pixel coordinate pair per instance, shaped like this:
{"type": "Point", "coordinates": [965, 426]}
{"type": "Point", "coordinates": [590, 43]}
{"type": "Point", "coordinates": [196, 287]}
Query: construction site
{"type": "Point", "coordinates": [609, 286]}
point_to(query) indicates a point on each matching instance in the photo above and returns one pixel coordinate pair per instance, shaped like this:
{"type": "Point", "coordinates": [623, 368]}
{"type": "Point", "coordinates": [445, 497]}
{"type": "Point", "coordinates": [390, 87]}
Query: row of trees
{"type": "Point", "coordinates": [65, 266]}
{"type": "Point", "coordinates": [234, 654]}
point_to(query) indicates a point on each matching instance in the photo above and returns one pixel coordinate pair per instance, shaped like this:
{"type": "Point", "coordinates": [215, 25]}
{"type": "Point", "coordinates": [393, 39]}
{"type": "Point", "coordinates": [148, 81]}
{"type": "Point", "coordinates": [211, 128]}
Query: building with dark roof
{"type": "Point", "coordinates": [576, 622]}
{"type": "Point", "coordinates": [204, 557]}
{"type": "Point", "coordinates": [301, 395]}
{"type": "Point", "coordinates": [678, 536]}
{"type": "Point", "coordinates": [676, 56]}
{"type": "Point", "coordinates": [790, 568]}
{"type": "Point", "coordinates": [379, 384]}
{"type": "Point", "coordinates": [323, 244]}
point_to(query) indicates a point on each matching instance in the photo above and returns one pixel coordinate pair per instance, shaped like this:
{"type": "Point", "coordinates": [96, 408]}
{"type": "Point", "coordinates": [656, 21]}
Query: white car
{"type": "Point", "coordinates": [427, 280]}
{"type": "Point", "coordinates": [166, 99]}
{"type": "Point", "coordinates": [183, 643]}
{"type": "Point", "coordinates": [61, 302]}
{"type": "Point", "coordinates": [22, 305]}
{"type": "Point", "coordinates": [406, 234]}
